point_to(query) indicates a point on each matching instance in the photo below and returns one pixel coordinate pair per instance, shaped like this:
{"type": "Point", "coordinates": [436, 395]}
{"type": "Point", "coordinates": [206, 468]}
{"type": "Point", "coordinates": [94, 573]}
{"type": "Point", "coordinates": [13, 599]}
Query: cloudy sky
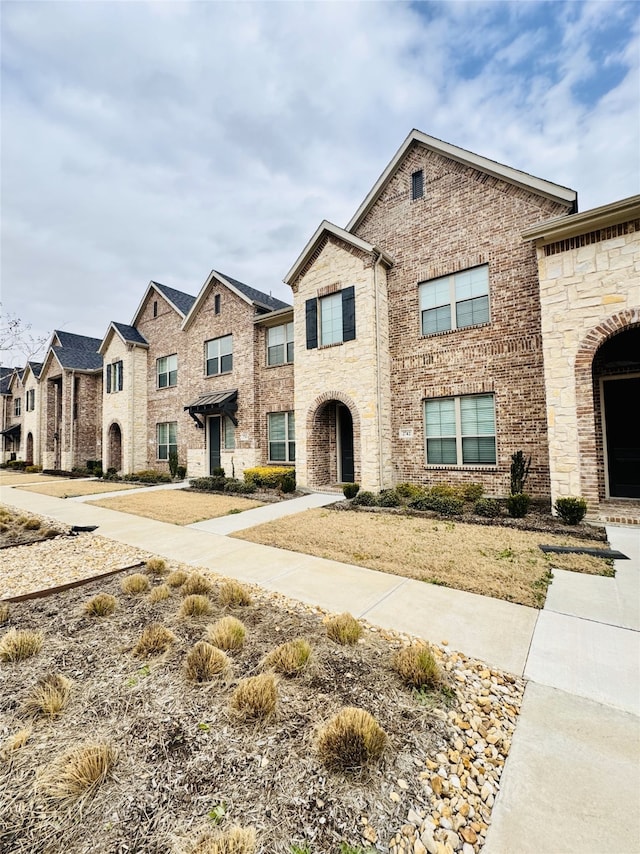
{"type": "Point", "coordinates": [159, 140]}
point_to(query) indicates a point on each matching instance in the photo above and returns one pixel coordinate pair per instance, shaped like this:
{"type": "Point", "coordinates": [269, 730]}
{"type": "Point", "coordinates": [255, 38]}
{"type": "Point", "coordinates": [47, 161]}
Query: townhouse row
{"type": "Point", "coordinates": [467, 311]}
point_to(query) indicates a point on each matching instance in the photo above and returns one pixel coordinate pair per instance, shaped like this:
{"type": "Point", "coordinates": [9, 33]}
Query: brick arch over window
{"type": "Point", "coordinates": [322, 446]}
{"type": "Point", "coordinates": [590, 438]}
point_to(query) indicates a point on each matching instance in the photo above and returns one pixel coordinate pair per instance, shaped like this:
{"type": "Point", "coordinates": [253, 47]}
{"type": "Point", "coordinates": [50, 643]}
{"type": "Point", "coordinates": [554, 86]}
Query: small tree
{"type": "Point", "coordinates": [173, 462]}
{"type": "Point", "coordinates": [519, 472]}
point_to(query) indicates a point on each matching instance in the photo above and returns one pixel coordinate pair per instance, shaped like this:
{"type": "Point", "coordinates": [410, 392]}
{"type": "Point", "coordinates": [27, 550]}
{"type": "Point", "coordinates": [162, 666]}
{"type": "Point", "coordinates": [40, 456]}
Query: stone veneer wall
{"type": "Point", "coordinates": [588, 293]}
{"type": "Point", "coordinates": [31, 420]}
{"type": "Point", "coordinates": [466, 218]}
{"type": "Point", "coordinates": [127, 408]}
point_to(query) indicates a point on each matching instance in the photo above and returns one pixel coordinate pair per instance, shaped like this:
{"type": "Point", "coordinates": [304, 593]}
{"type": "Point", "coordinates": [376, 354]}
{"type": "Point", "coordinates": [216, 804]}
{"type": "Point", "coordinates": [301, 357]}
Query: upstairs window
{"type": "Point", "coordinates": [417, 184]}
{"type": "Point", "coordinates": [17, 406]}
{"type": "Point", "coordinates": [282, 437]}
{"type": "Point", "coordinates": [31, 400]}
{"type": "Point", "coordinates": [460, 430]}
{"type": "Point", "coordinates": [166, 439]}
{"type": "Point", "coordinates": [219, 355]}
{"type": "Point", "coordinates": [167, 371]}
{"type": "Point", "coordinates": [216, 304]}
{"type": "Point", "coordinates": [331, 319]}
{"type": "Point", "coordinates": [280, 344]}
{"type": "Point", "coordinates": [456, 301]}
{"type": "Point", "coordinates": [114, 376]}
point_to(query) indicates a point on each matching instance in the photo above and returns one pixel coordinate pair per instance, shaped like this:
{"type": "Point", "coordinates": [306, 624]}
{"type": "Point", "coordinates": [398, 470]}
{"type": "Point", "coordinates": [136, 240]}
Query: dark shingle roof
{"type": "Point", "coordinates": [256, 296]}
{"type": "Point", "coordinates": [5, 378]}
{"type": "Point", "coordinates": [36, 367]}
{"type": "Point", "coordinates": [78, 352]}
{"type": "Point", "coordinates": [182, 301]}
{"type": "Point", "coordinates": [130, 333]}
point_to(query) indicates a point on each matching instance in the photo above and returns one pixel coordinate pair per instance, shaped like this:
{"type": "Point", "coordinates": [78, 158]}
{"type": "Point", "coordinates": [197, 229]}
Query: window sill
{"type": "Point", "coordinates": [280, 365]}
{"type": "Point", "coordinates": [328, 346]}
{"type": "Point", "coordinates": [221, 374]}
{"type": "Point", "coordinates": [453, 331]}
{"type": "Point", "coordinates": [166, 387]}
{"type": "Point", "coordinates": [466, 467]}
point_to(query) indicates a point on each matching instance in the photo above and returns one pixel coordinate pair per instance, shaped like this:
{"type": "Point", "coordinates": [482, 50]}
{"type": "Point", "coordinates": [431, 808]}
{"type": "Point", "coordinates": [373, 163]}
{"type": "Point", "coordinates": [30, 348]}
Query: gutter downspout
{"type": "Point", "coordinates": [378, 380]}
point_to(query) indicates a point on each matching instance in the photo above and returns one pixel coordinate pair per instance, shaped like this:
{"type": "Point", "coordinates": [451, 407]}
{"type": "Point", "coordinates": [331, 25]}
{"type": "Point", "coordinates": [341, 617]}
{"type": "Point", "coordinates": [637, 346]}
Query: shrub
{"type": "Point", "coordinates": [148, 476]}
{"type": "Point", "coordinates": [173, 462]}
{"type": "Point", "coordinates": [18, 644]}
{"type": "Point", "coordinates": [571, 510]}
{"type": "Point", "coordinates": [196, 583]}
{"type": "Point", "coordinates": [181, 472]}
{"type": "Point", "coordinates": [195, 605]}
{"type": "Point", "coordinates": [218, 471]}
{"type": "Point", "coordinates": [350, 490]}
{"type": "Point", "coordinates": [208, 484]}
{"type": "Point", "coordinates": [154, 640]}
{"type": "Point", "coordinates": [344, 629]}
{"type": "Point", "coordinates": [233, 593]}
{"type": "Point", "coordinates": [204, 661]}
{"type": "Point", "coordinates": [409, 491]}
{"type": "Point", "coordinates": [15, 742]}
{"type": "Point", "coordinates": [33, 469]}
{"type": "Point", "coordinates": [351, 739]}
{"type": "Point", "coordinates": [156, 566]}
{"type": "Point", "coordinates": [49, 697]}
{"type": "Point", "coordinates": [238, 486]}
{"type": "Point", "coordinates": [177, 578]}
{"type": "Point", "coordinates": [519, 472]}
{"type": "Point", "coordinates": [289, 658]}
{"type": "Point", "coordinates": [5, 613]}
{"type": "Point", "coordinates": [365, 499]}
{"type": "Point", "coordinates": [417, 666]}
{"type": "Point", "coordinates": [488, 507]}
{"type": "Point", "coordinates": [136, 583]}
{"type": "Point", "coordinates": [236, 840]}
{"type": "Point", "coordinates": [227, 633]}
{"type": "Point", "coordinates": [288, 483]}
{"type": "Point", "coordinates": [445, 506]}
{"type": "Point", "coordinates": [388, 498]}
{"type": "Point", "coordinates": [256, 697]}
{"type": "Point", "coordinates": [78, 773]}
{"type": "Point", "coordinates": [518, 505]}
{"type": "Point", "coordinates": [472, 491]}
{"type": "Point", "coordinates": [159, 593]}
{"type": "Point", "coordinates": [19, 465]}
{"type": "Point", "coordinates": [31, 524]}
{"type": "Point", "coordinates": [100, 605]}
{"type": "Point", "coordinates": [268, 477]}
{"type": "Point", "coordinates": [112, 474]}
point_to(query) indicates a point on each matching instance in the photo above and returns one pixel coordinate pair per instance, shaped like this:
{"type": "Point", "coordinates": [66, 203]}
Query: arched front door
{"type": "Point", "coordinates": [332, 444]}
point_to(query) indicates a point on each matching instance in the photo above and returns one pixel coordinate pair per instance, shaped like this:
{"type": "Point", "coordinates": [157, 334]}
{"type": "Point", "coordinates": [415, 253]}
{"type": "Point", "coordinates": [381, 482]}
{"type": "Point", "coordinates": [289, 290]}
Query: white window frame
{"type": "Point", "coordinates": [17, 407]}
{"type": "Point", "coordinates": [167, 366]}
{"type": "Point", "coordinates": [330, 324]}
{"type": "Point", "coordinates": [216, 350]}
{"type": "Point", "coordinates": [289, 440]}
{"type": "Point", "coordinates": [447, 292]}
{"type": "Point", "coordinates": [116, 382]}
{"type": "Point", "coordinates": [229, 442]}
{"type": "Point", "coordinates": [460, 434]}
{"type": "Point", "coordinates": [163, 438]}
{"type": "Point", "coordinates": [30, 400]}
{"type": "Point", "coordinates": [280, 337]}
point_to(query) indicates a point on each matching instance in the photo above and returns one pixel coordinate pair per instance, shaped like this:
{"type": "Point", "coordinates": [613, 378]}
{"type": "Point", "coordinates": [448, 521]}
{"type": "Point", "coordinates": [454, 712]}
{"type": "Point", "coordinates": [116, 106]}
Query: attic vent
{"type": "Point", "coordinates": [417, 184]}
{"type": "Point", "coordinates": [155, 308]}
{"type": "Point", "coordinates": [216, 304]}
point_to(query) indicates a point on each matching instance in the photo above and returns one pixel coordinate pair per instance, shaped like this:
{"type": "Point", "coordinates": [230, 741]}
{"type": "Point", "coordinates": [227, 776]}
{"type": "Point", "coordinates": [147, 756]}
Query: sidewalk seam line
{"type": "Point", "coordinates": [382, 599]}
{"type": "Point", "coordinates": [591, 620]}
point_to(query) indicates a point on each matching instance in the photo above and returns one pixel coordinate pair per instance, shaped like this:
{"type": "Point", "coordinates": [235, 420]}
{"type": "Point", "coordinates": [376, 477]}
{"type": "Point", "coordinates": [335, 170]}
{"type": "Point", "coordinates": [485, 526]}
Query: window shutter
{"type": "Point", "coordinates": [120, 372]}
{"type": "Point", "coordinates": [348, 314]}
{"type": "Point", "coordinates": [311, 314]}
{"type": "Point", "coordinates": [108, 379]}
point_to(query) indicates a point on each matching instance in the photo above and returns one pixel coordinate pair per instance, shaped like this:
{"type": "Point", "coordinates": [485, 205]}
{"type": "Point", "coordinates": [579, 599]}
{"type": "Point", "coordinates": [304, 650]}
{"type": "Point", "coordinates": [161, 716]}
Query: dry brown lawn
{"type": "Point", "coordinates": [71, 488]}
{"type": "Point", "coordinates": [491, 560]}
{"type": "Point", "coordinates": [14, 478]}
{"type": "Point", "coordinates": [178, 506]}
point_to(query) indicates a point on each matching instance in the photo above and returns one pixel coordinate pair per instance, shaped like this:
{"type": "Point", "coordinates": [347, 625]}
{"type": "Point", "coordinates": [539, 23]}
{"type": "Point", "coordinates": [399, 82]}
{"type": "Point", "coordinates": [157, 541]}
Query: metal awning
{"type": "Point", "coordinates": [215, 403]}
{"type": "Point", "coordinates": [12, 432]}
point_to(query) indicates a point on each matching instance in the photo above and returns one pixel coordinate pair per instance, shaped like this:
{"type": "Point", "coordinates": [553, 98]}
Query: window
{"type": "Point", "coordinates": [467, 292]}
{"type": "Point", "coordinates": [155, 308]}
{"type": "Point", "coordinates": [31, 400]}
{"type": "Point", "coordinates": [282, 437]}
{"type": "Point", "coordinates": [219, 355]}
{"type": "Point", "coordinates": [331, 319]}
{"type": "Point", "coordinates": [417, 184]}
{"type": "Point", "coordinates": [461, 430]}
{"type": "Point", "coordinates": [216, 304]}
{"type": "Point", "coordinates": [229, 434]}
{"type": "Point", "coordinates": [166, 439]}
{"type": "Point", "coordinates": [280, 344]}
{"type": "Point", "coordinates": [114, 377]}
{"type": "Point", "coordinates": [167, 371]}
{"type": "Point", "coordinates": [17, 406]}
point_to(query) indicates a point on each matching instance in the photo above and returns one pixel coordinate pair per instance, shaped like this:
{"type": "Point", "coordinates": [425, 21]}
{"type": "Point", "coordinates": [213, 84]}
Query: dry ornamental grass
{"type": "Point", "coordinates": [159, 593]}
{"type": "Point", "coordinates": [14, 742]}
{"type": "Point", "coordinates": [344, 629]}
{"type": "Point", "coordinates": [195, 582]}
{"type": "Point", "coordinates": [195, 606]}
{"type": "Point", "coordinates": [136, 583]}
{"type": "Point", "coordinates": [176, 578]}
{"type": "Point", "coordinates": [227, 633]}
{"type": "Point", "coordinates": [351, 739]}
{"type": "Point", "coordinates": [233, 593]}
{"type": "Point", "coordinates": [78, 774]}
{"type": "Point", "coordinates": [236, 840]}
{"type": "Point", "coordinates": [156, 566]}
{"type": "Point", "coordinates": [289, 658]}
{"type": "Point", "coordinates": [417, 666]}
{"type": "Point", "coordinates": [5, 613]}
{"type": "Point", "coordinates": [204, 662]}
{"type": "Point", "coordinates": [154, 640]}
{"type": "Point", "coordinates": [256, 697]}
{"type": "Point", "coordinates": [100, 605]}
{"type": "Point", "coordinates": [49, 697]}
{"type": "Point", "coordinates": [18, 644]}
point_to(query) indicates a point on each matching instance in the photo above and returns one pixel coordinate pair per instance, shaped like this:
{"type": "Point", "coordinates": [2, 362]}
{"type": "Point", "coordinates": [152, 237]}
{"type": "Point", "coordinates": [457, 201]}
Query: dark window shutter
{"type": "Point", "coordinates": [348, 314]}
{"type": "Point", "coordinates": [311, 314]}
{"type": "Point", "coordinates": [120, 372]}
{"type": "Point", "coordinates": [108, 379]}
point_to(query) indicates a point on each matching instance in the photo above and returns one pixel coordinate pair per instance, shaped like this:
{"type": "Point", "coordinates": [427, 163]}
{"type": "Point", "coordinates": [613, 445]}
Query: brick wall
{"type": "Point", "coordinates": [274, 390]}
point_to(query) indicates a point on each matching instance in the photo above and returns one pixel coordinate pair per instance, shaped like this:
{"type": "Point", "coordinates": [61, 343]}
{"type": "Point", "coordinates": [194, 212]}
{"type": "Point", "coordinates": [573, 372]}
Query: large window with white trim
{"type": "Point", "coordinates": [282, 437]}
{"type": "Point", "coordinates": [219, 355]}
{"type": "Point", "coordinates": [456, 301]}
{"type": "Point", "coordinates": [460, 430]}
{"type": "Point", "coordinates": [280, 344]}
{"type": "Point", "coordinates": [166, 438]}
{"type": "Point", "coordinates": [167, 371]}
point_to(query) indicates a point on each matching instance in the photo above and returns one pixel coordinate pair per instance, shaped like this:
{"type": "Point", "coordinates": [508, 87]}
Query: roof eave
{"type": "Point", "coordinates": [274, 317]}
{"type": "Point", "coordinates": [569, 226]}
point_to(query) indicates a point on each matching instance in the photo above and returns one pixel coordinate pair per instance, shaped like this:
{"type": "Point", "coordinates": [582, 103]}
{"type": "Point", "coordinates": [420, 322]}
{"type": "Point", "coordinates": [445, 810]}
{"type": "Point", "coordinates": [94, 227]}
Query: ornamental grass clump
{"type": "Point", "coordinates": [195, 605]}
{"type": "Point", "coordinates": [176, 578]}
{"type": "Point", "coordinates": [351, 739]}
{"type": "Point", "coordinates": [154, 640]}
{"type": "Point", "coordinates": [100, 605]}
{"type": "Point", "coordinates": [236, 840]}
{"type": "Point", "coordinates": [14, 742]}
{"type": "Point", "coordinates": [78, 774]}
{"type": "Point", "coordinates": [195, 583]}
{"type": "Point", "coordinates": [227, 633]}
{"type": "Point", "coordinates": [344, 629]}
{"type": "Point", "coordinates": [256, 697]}
{"type": "Point", "coordinates": [18, 644]}
{"type": "Point", "coordinates": [5, 613]}
{"type": "Point", "coordinates": [204, 662]}
{"type": "Point", "coordinates": [156, 566]}
{"type": "Point", "coordinates": [233, 593]}
{"type": "Point", "coordinates": [418, 667]}
{"type": "Point", "coordinates": [289, 658]}
{"type": "Point", "coordinates": [159, 593]}
{"type": "Point", "coordinates": [49, 697]}
{"type": "Point", "coordinates": [133, 584]}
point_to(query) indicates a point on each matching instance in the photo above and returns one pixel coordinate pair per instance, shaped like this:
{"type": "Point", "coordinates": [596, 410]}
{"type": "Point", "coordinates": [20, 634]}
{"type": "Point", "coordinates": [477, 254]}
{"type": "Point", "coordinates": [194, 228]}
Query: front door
{"type": "Point", "coordinates": [214, 443]}
{"type": "Point", "coordinates": [345, 445]}
{"type": "Point", "coordinates": [623, 436]}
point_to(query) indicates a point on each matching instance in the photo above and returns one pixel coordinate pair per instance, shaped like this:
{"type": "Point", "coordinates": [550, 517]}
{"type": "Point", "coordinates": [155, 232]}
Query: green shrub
{"type": "Point", "coordinates": [238, 486]}
{"type": "Point", "coordinates": [519, 472]}
{"type": "Point", "coordinates": [182, 472]}
{"type": "Point", "coordinates": [445, 506]}
{"type": "Point", "coordinates": [489, 507]}
{"type": "Point", "coordinates": [518, 505]}
{"type": "Point", "coordinates": [112, 474]}
{"type": "Point", "coordinates": [472, 491]}
{"type": "Point", "coordinates": [350, 490]}
{"type": "Point", "coordinates": [410, 491]}
{"type": "Point", "coordinates": [214, 483]}
{"type": "Point", "coordinates": [570, 509]}
{"type": "Point", "coordinates": [288, 483]}
{"type": "Point", "coordinates": [148, 476]}
{"type": "Point", "coordinates": [365, 499]}
{"type": "Point", "coordinates": [33, 469]}
{"type": "Point", "coordinates": [94, 466]}
{"type": "Point", "coordinates": [218, 471]}
{"type": "Point", "coordinates": [444, 490]}
{"type": "Point", "coordinates": [173, 462]}
{"type": "Point", "coordinates": [20, 465]}
{"type": "Point", "coordinates": [388, 498]}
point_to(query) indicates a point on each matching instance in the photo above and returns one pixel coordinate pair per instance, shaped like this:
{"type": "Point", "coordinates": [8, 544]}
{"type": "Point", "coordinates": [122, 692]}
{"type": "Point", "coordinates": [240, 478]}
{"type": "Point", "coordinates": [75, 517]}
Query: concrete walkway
{"type": "Point", "coordinates": [571, 781]}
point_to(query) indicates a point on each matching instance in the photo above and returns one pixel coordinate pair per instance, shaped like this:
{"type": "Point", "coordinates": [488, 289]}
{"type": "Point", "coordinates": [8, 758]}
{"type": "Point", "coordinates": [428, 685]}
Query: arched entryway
{"type": "Point", "coordinates": [114, 444]}
{"type": "Point", "coordinates": [29, 449]}
{"type": "Point", "coordinates": [333, 441]}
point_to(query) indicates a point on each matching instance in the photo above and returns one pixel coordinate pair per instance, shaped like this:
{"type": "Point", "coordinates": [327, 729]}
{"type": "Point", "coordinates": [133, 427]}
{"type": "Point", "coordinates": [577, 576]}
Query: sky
{"type": "Point", "coordinates": [161, 140]}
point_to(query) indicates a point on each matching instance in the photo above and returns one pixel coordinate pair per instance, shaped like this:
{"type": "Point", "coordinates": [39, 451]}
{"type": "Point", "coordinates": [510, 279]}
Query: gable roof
{"type": "Point", "coordinates": [179, 300]}
{"type": "Point", "coordinates": [556, 192]}
{"type": "Point", "coordinates": [6, 375]}
{"type": "Point", "coordinates": [252, 296]}
{"type": "Point", "coordinates": [77, 352]}
{"type": "Point", "coordinates": [36, 368]}
{"type": "Point", "coordinates": [128, 334]}
{"type": "Point", "coordinates": [328, 228]}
